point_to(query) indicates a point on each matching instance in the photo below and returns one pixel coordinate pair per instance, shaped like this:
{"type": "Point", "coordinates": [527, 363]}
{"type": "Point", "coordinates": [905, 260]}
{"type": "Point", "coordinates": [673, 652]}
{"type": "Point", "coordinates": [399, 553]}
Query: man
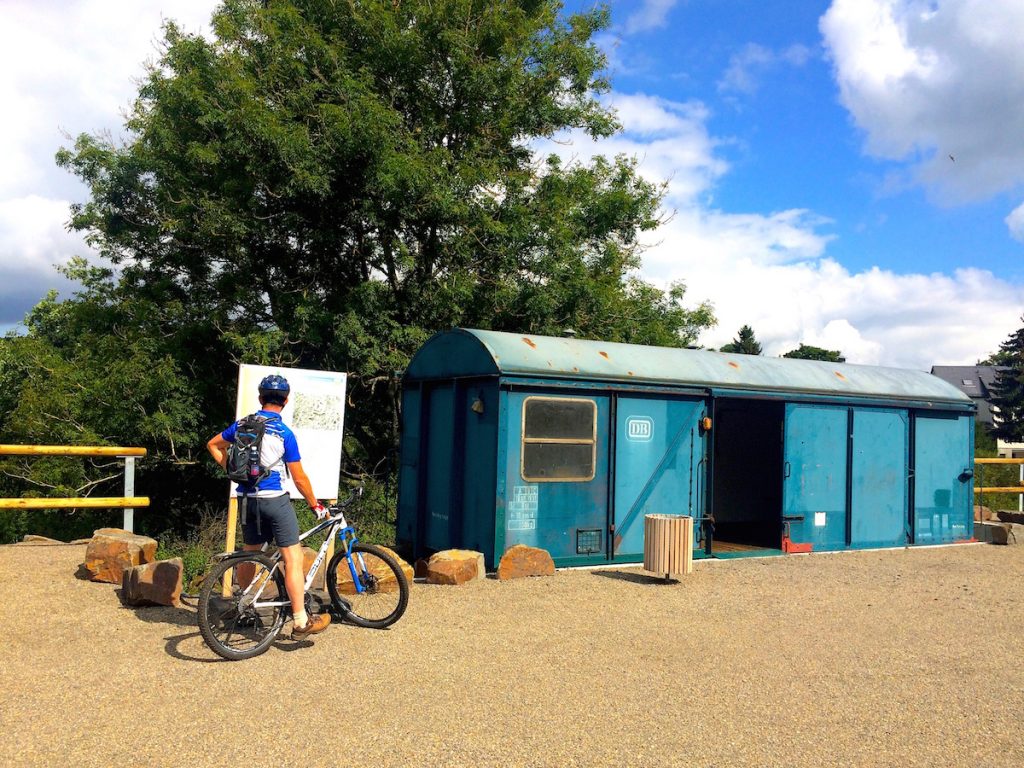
{"type": "Point", "coordinates": [269, 513]}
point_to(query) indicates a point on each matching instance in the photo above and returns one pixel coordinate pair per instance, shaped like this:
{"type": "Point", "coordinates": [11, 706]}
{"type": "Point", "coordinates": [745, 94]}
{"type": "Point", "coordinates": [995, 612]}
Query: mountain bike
{"type": "Point", "coordinates": [241, 620]}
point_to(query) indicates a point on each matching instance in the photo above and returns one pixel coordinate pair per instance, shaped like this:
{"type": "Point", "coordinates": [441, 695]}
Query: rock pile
{"type": "Point", "coordinates": [156, 583]}
{"type": "Point", "coordinates": [112, 551]}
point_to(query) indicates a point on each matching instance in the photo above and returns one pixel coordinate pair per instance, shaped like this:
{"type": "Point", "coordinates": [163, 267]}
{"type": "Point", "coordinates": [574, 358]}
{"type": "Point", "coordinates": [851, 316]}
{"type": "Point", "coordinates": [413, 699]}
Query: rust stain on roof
{"type": "Point", "coordinates": [529, 343]}
{"type": "Point", "coordinates": [575, 369]}
{"type": "Point", "coordinates": [733, 365]}
{"type": "Point", "coordinates": [840, 376]}
{"type": "Point", "coordinates": [630, 373]}
{"type": "Point", "coordinates": [603, 354]}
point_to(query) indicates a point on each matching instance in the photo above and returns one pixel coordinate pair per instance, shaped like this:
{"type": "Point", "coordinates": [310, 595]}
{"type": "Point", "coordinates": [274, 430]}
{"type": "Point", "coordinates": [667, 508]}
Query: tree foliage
{"type": "Point", "coordinates": [1008, 390]}
{"type": "Point", "coordinates": [808, 352]}
{"type": "Point", "coordinates": [325, 185]}
{"type": "Point", "coordinates": [744, 343]}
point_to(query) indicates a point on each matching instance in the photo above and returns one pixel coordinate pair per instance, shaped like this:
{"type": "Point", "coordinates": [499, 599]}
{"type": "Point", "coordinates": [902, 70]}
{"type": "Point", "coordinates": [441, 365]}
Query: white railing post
{"type": "Point", "coordinates": [129, 491]}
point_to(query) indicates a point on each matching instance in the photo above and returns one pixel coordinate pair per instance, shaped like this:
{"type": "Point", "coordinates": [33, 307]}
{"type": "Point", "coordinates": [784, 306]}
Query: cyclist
{"type": "Point", "coordinates": [269, 511]}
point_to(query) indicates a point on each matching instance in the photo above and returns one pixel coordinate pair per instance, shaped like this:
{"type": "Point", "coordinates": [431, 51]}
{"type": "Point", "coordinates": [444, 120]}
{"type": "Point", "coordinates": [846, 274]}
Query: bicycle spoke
{"type": "Point", "coordinates": [236, 626]}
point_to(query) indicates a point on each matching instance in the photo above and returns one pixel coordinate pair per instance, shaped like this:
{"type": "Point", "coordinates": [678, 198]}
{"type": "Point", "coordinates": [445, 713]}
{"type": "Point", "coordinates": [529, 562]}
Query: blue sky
{"type": "Point", "coordinates": [806, 147]}
{"type": "Point", "coordinates": [790, 140]}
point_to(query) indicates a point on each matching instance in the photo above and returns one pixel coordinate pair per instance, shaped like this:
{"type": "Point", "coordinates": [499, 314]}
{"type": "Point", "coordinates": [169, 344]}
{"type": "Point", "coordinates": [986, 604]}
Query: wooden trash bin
{"type": "Point", "coordinates": [668, 544]}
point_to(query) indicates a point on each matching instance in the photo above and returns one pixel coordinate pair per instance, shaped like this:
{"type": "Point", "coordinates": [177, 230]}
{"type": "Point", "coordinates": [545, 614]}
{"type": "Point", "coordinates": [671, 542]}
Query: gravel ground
{"type": "Point", "coordinates": [904, 657]}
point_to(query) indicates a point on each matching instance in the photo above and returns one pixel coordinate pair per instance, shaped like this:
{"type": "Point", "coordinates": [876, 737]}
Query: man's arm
{"type": "Point", "coordinates": [301, 480]}
{"type": "Point", "coordinates": [218, 448]}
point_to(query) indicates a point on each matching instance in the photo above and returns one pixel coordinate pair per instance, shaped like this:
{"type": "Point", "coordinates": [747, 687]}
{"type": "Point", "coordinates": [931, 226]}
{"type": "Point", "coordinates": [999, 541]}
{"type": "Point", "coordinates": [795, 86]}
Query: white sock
{"type": "Point", "coordinates": [301, 619]}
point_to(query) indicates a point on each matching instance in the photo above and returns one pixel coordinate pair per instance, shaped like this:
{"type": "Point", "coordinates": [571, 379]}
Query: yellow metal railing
{"type": "Point", "coordinates": [129, 502]}
{"type": "Point", "coordinates": [982, 489]}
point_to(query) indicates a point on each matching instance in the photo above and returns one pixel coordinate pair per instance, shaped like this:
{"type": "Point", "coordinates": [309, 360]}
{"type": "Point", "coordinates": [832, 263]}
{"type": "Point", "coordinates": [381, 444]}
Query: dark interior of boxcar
{"type": "Point", "coordinates": [747, 475]}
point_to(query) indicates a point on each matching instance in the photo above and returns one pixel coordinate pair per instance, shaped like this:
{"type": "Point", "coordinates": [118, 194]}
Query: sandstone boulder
{"type": "Point", "coordinates": [386, 579]}
{"type": "Point", "coordinates": [455, 566]}
{"type": "Point", "coordinates": [1009, 516]}
{"type": "Point", "coordinates": [156, 583]}
{"type": "Point", "coordinates": [112, 551]}
{"type": "Point", "coordinates": [32, 538]}
{"type": "Point", "coordinates": [521, 561]}
{"type": "Point", "coordinates": [993, 533]}
{"type": "Point", "coordinates": [982, 514]}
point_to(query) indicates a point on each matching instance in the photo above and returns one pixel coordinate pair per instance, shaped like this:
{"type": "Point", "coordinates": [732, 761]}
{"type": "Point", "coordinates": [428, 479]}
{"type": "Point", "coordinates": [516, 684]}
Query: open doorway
{"type": "Point", "coordinates": [747, 485]}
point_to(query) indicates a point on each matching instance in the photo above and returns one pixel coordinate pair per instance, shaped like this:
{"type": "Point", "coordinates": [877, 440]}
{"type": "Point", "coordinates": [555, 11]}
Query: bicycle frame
{"type": "Point", "coordinates": [346, 536]}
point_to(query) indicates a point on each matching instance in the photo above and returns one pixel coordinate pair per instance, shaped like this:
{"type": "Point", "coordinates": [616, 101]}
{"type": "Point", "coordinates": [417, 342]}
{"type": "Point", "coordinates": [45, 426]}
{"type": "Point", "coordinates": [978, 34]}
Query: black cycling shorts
{"type": "Point", "coordinates": [269, 519]}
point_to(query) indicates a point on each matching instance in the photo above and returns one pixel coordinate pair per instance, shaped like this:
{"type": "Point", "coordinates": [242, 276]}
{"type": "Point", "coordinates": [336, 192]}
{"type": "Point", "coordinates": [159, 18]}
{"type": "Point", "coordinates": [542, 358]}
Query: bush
{"type": "Point", "coordinates": [372, 515]}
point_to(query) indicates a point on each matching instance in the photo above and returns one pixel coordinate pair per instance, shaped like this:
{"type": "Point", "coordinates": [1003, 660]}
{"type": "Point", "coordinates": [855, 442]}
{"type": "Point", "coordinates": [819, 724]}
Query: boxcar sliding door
{"type": "Point", "coordinates": [879, 487]}
{"type": "Point", "coordinates": [942, 478]}
{"type": "Point", "coordinates": [659, 466]}
{"type": "Point", "coordinates": [814, 475]}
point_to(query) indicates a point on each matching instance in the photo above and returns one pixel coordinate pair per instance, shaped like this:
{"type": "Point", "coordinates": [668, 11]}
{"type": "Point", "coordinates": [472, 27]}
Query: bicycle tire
{"type": "Point", "coordinates": [383, 579]}
{"type": "Point", "coordinates": [215, 612]}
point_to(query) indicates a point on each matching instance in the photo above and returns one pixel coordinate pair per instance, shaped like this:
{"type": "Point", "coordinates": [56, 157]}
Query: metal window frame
{"type": "Point", "coordinates": [525, 440]}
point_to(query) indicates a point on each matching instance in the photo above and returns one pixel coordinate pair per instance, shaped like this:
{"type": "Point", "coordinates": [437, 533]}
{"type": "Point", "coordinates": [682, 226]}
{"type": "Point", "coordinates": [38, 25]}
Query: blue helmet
{"type": "Point", "coordinates": [274, 388]}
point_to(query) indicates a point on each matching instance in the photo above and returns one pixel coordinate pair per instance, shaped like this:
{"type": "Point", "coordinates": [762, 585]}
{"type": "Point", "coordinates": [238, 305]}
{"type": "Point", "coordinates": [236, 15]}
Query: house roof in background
{"type": "Point", "coordinates": [982, 378]}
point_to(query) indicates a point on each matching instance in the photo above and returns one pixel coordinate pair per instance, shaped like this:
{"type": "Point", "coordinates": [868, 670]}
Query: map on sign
{"type": "Point", "coordinates": [316, 414]}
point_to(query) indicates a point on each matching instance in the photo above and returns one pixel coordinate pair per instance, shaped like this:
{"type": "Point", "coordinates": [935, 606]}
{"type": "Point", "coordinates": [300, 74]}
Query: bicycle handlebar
{"type": "Point", "coordinates": [334, 509]}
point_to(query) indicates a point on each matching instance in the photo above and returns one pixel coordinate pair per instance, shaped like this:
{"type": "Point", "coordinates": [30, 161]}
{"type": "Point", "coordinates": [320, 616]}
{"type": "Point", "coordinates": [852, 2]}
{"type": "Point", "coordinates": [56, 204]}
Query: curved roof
{"type": "Point", "coordinates": [464, 352]}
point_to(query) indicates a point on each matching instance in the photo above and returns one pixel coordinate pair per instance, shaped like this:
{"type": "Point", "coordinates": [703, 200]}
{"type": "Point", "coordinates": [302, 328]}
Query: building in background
{"type": "Point", "coordinates": [976, 381]}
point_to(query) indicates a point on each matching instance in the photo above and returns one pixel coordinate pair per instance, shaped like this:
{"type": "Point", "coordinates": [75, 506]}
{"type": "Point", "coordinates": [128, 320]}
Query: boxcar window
{"type": "Point", "coordinates": [559, 439]}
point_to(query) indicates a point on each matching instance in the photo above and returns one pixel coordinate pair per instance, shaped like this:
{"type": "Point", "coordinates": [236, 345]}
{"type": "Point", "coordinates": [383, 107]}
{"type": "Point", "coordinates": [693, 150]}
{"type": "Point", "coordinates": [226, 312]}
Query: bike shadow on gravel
{"type": "Point", "coordinates": [180, 646]}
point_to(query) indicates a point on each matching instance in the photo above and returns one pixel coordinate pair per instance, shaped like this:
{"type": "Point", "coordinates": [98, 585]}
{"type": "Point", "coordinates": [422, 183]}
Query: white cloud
{"type": "Point", "coordinates": [651, 15]}
{"type": "Point", "coordinates": [32, 241]}
{"type": "Point", "coordinates": [936, 85]}
{"type": "Point", "coordinates": [746, 67]}
{"type": "Point", "coordinates": [1015, 222]}
{"type": "Point", "coordinates": [772, 270]}
{"type": "Point", "coordinates": [65, 66]}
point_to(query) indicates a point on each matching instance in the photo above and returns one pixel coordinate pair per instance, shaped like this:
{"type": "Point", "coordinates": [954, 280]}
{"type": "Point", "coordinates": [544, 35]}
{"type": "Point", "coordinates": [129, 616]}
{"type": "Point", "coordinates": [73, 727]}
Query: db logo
{"type": "Point", "coordinates": [639, 429]}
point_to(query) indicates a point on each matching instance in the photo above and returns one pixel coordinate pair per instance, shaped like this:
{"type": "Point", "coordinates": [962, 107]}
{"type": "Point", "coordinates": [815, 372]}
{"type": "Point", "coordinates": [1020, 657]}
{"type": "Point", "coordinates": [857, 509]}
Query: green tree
{"type": "Point", "coordinates": [327, 184]}
{"type": "Point", "coordinates": [744, 343]}
{"type": "Point", "coordinates": [808, 352]}
{"type": "Point", "coordinates": [95, 370]}
{"type": "Point", "coordinates": [1008, 390]}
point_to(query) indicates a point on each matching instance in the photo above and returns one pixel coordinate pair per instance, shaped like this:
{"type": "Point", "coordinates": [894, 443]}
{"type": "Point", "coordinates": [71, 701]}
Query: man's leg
{"type": "Point", "coordinates": [294, 581]}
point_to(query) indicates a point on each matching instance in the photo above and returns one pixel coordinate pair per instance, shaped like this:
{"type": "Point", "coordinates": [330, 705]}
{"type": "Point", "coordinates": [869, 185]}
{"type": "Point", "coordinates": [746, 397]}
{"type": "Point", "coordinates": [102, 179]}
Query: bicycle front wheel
{"type": "Point", "coordinates": [382, 593]}
{"type": "Point", "coordinates": [246, 621]}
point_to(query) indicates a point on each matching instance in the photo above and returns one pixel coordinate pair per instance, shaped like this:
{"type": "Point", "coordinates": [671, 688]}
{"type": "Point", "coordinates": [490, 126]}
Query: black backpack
{"type": "Point", "coordinates": [243, 465]}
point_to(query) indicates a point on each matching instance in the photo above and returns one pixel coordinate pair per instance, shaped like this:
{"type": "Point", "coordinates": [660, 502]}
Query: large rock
{"type": "Point", "coordinates": [993, 533]}
{"type": "Point", "coordinates": [32, 538]}
{"type": "Point", "coordinates": [156, 583]}
{"type": "Point", "coordinates": [982, 514]}
{"type": "Point", "coordinates": [455, 566]}
{"type": "Point", "coordinates": [112, 551]}
{"type": "Point", "coordinates": [386, 583]}
{"type": "Point", "coordinates": [1009, 516]}
{"type": "Point", "coordinates": [521, 561]}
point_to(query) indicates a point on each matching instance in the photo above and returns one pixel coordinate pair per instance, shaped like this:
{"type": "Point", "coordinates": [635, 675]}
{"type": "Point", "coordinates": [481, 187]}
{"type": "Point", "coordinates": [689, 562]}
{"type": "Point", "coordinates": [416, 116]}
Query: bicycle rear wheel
{"type": "Point", "coordinates": [235, 627]}
{"type": "Point", "coordinates": [385, 590]}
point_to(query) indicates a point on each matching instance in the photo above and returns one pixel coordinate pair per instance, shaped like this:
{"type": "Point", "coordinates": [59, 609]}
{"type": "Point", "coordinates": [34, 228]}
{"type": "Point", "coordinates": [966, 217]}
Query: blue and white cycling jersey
{"type": "Point", "coordinates": [279, 447]}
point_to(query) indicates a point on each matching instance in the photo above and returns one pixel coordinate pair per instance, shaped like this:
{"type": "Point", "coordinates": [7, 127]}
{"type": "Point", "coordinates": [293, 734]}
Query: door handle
{"type": "Point", "coordinates": [787, 468]}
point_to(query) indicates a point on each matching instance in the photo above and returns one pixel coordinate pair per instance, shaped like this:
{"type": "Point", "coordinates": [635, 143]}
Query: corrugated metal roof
{"type": "Point", "coordinates": [466, 352]}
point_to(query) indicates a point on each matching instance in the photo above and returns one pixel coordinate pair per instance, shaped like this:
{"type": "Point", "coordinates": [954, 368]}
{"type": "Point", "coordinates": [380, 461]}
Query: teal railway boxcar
{"type": "Point", "coordinates": [566, 444]}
